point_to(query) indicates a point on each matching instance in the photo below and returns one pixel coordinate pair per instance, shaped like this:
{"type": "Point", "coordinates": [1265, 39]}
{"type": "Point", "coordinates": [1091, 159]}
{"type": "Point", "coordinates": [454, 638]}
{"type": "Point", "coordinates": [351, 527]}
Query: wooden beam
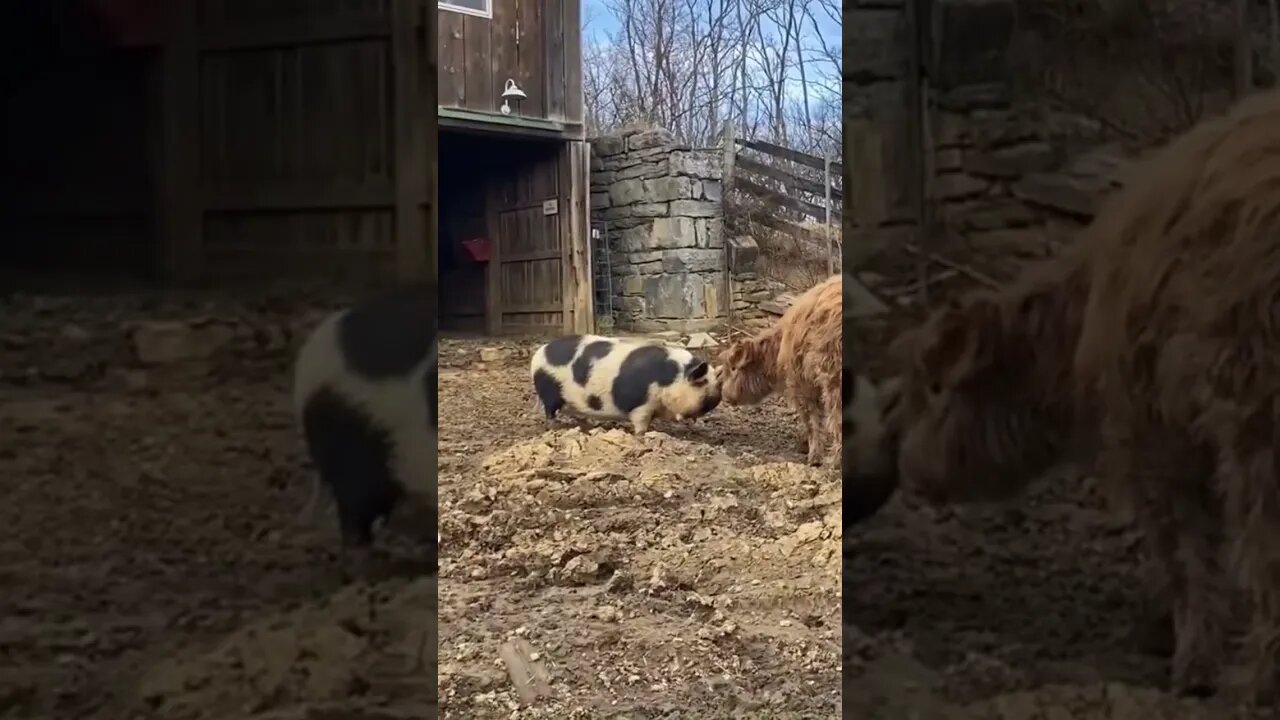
{"type": "Point", "coordinates": [535, 255]}
{"type": "Point", "coordinates": [789, 227]}
{"type": "Point", "coordinates": [729, 151]}
{"type": "Point", "coordinates": [297, 31]}
{"type": "Point", "coordinates": [573, 61]}
{"type": "Point", "coordinates": [179, 215]}
{"type": "Point", "coordinates": [568, 279]}
{"type": "Point", "coordinates": [534, 308]}
{"type": "Point", "coordinates": [481, 122]}
{"type": "Point", "coordinates": [414, 127]}
{"type": "Point", "coordinates": [432, 209]}
{"type": "Point", "coordinates": [302, 196]}
{"type": "Point", "coordinates": [576, 228]}
{"type": "Point", "coordinates": [805, 159]}
{"type": "Point", "coordinates": [809, 186]}
{"type": "Point", "coordinates": [764, 193]}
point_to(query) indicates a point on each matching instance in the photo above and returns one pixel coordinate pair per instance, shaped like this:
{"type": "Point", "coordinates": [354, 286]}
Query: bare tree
{"type": "Point", "coordinates": [769, 66]}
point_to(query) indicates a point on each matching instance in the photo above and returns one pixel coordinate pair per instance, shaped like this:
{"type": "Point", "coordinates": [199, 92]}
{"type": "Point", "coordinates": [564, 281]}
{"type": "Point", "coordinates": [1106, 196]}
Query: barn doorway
{"type": "Point", "coordinates": [80, 117]}
{"type": "Point", "coordinates": [502, 250]}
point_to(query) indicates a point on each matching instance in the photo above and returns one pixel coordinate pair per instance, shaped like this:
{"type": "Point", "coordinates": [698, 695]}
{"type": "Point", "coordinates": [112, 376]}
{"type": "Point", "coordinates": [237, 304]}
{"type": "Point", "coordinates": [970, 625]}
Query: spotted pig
{"type": "Point", "coordinates": [365, 394]}
{"type": "Point", "coordinates": [616, 379]}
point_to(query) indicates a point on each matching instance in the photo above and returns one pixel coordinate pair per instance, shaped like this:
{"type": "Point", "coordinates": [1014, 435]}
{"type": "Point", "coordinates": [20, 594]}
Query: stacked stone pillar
{"type": "Point", "coordinates": [662, 204]}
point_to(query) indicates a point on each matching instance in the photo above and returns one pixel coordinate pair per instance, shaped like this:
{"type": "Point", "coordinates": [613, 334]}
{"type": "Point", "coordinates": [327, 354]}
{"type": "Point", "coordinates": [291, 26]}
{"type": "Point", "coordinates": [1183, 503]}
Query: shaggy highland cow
{"type": "Point", "coordinates": [800, 355]}
{"type": "Point", "coordinates": [869, 463]}
{"type": "Point", "coordinates": [1159, 334]}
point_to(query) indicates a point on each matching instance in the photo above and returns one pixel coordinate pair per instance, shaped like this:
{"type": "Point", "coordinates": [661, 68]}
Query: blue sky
{"type": "Point", "coordinates": [598, 22]}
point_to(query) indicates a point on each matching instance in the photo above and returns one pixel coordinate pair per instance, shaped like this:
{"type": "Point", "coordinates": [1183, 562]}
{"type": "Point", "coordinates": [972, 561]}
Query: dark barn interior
{"type": "Point", "coordinates": [80, 122]}
{"type": "Point", "coordinates": [495, 189]}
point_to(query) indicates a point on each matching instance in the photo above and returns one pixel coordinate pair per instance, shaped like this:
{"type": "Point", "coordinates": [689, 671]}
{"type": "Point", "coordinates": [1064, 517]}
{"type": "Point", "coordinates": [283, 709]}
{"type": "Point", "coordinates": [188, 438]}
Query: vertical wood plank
{"type": "Point", "coordinates": [431, 86]}
{"type": "Point", "coordinates": [567, 277]}
{"type": "Point", "coordinates": [572, 49]}
{"type": "Point", "coordinates": [579, 223]}
{"type": "Point", "coordinates": [412, 125]}
{"type": "Point", "coordinates": [553, 20]}
{"type": "Point", "coordinates": [533, 59]}
{"type": "Point", "coordinates": [453, 59]}
{"type": "Point", "coordinates": [480, 93]}
{"type": "Point", "coordinates": [179, 214]}
{"type": "Point", "coordinates": [502, 46]}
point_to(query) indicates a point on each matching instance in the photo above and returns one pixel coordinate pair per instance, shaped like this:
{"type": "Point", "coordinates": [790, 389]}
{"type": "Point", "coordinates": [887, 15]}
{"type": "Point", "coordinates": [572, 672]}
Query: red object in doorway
{"type": "Point", "coordinates": [478, 248]}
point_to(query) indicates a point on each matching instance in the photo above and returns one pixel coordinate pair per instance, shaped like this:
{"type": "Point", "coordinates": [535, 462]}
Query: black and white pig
{"type": "Point", "coordinates": [619, 379]}
{"type": "Point", "coordinates": [365, 394]}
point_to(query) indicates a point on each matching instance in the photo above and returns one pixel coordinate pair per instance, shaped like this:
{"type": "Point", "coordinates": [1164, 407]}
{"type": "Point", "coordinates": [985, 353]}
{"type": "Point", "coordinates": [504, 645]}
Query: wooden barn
{"type": "Point", "coordinates": [514, 168]}
{"type": "Point", "coordinates": [219, 141]}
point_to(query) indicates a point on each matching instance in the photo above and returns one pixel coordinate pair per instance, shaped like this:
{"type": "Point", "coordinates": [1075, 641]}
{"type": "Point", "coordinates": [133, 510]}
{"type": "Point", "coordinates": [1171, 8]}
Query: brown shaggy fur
{"type": "Point", "coordinates": [1159, 333]}
{"type": "Point", "coordinates": [800, 356]}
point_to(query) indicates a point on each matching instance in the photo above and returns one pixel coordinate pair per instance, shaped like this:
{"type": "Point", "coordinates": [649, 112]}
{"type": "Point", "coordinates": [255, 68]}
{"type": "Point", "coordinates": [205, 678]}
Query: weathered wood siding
{"type": "Point", "coordinates": [537, 43]}
{"type": "Point", "coordinates": [310, 160]}
{"type": "Point", "coordinates": [529, 263]}
{"type": "Point", "coordinates": [215, 140]}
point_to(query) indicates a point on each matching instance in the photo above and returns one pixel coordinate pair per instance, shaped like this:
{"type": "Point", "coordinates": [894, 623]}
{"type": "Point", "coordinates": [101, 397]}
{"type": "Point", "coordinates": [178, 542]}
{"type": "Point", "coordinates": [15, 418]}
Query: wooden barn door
{"type": "Point", "coordinates": [527, 272]}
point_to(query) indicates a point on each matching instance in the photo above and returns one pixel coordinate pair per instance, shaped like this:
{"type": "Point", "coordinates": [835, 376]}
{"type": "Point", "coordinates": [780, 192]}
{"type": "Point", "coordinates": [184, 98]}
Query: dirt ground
{"type": "Point", "coordinates": [153, 560]}
{"type": "Point", "coordinates": [692, 572]}
{"type": "Point", "coordinates": [154, 563]}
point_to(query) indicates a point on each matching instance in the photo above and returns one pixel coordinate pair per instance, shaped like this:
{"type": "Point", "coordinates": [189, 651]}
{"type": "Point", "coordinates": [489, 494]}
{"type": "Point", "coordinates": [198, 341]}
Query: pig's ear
{"type": "Point", "coordinates": [697, 371]}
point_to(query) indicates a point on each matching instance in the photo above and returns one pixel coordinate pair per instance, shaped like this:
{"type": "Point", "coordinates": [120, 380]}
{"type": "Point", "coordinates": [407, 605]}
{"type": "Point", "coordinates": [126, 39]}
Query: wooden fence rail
{"type": "Point", "coordinates": [775, 179]}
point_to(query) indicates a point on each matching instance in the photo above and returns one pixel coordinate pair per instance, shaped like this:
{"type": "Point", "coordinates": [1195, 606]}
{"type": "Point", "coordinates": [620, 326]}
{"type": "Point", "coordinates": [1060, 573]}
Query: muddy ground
{"type": "Point", "coordinates": [692, 572]}
{"type": "Point", "coordinates": [153, 563]}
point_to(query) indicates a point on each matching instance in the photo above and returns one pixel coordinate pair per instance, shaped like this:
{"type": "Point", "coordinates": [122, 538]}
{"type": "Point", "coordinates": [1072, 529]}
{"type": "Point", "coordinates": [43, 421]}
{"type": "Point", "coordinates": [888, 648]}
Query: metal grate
{"type": "Point", "coordinates": [602, 276]}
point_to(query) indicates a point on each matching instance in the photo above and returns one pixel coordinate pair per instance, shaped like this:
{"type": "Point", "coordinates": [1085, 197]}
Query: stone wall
{"type": "Point", "coordinates": [1004, 175]}
{"type": "Point", "coordinates": [1014, 181]}
{"type": "Point", "coordinates": [662, 205]}
{"type": "Point", "coordinates": [1007, 175]}
{"type": "Point", "coordinates": [880, 129]}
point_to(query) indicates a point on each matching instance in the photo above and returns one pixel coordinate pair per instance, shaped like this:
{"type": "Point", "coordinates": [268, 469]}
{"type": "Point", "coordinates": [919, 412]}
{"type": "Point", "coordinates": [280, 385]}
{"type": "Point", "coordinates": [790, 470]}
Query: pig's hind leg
{"type": "Point", "coordinates": [352, 456]}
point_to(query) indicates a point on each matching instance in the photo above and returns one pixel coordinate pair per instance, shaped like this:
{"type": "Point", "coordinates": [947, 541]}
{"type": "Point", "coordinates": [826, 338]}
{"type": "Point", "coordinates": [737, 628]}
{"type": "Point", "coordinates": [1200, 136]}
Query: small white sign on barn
{"type": "Point", "coordinates": [550, 207]}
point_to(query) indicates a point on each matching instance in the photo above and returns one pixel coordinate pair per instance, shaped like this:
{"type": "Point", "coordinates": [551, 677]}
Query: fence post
{"type": "Point", "coordinates": [826, 189]}
{"type": "Point", "coordinates": [729, 139]}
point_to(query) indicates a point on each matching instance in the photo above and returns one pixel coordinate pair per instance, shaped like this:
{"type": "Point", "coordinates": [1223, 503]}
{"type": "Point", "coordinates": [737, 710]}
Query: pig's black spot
{"type": "Point", "coordinates": [548, 392]}
{"type": "Point", "coordinates": [352, 455]}
{"type": "Point", "coordinates": [643, 367]}
{"type": "Point", "coordinates": [594, 403]}
{"type": "Point", "coordinates": [592, 352]}
{"type": "Point", "coordinates": [560, 351]}
{"type": "Point", "coordinates": [389, 334]}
